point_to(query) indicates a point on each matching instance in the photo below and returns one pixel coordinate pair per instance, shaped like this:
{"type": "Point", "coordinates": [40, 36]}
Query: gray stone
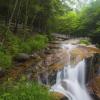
{"type": "Point", "coordinates": [21, 57]}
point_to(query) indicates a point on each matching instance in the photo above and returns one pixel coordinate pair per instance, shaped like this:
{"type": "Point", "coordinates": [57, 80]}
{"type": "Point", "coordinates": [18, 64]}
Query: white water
{"type": "Point", "coordinates": [71, 80]}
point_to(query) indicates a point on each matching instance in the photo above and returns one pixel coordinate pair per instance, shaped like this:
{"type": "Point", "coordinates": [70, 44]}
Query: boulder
{"type": "Point", "coordinates": [21, 57]}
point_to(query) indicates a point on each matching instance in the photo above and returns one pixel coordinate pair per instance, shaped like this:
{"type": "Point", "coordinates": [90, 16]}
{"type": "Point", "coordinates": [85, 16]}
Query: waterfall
{"type": "Point", "coordinates": [70, 80]}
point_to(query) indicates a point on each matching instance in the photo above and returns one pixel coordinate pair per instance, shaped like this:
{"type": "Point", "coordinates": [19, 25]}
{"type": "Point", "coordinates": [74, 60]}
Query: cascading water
{"type": "Point", "coordinates": [71, 80]}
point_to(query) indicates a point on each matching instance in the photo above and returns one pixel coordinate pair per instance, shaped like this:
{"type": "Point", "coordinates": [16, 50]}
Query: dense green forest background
{"type": "Point", "coordinates": [48, 16]}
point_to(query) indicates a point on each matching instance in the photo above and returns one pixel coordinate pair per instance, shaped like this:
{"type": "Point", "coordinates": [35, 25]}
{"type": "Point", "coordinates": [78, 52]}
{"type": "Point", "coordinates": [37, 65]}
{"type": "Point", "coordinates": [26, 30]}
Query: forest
{"type": "Point", "coordinates": [27, 30]}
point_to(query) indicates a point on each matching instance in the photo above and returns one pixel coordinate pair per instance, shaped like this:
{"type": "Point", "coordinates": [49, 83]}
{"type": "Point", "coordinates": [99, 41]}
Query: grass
{"type": "Point", "coordinates": [35, 43]}
{"type": "Point", "coordinates": [5, 60]}
{"type": "Point", "coordinates": [24, 91]}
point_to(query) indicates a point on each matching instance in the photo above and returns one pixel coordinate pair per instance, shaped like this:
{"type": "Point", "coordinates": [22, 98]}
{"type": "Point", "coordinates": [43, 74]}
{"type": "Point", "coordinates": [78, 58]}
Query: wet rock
{"type": "Point", "coordinates": [2, 72]}
{"type": "Point", "coordinates": [21, 57]}
{"type": "Point", "coordinates": [89, 68]}
{"type": "Point", "coordinates": [34, 55]}
{"type": "Point", "coordinates": [47, 52]}
{"type": "Point", "coordinates": [55, 42]}
{"type": "Point", "coordinates": [64, 98]}
{"type": "Point", "coordinates": [44, 78]}
{"type": "Point", "coordinates": [54, 46]}
{"type": "Point", "coordinates": [52, 78]}
{"type": "Point", "coordinates": [94, 96]}
{"type": "Point", "coordinates": [93, 67]}
{"type": "Point", "coordinates": [94, 86]}
{"type": "Point", "coordinates": [59, 36]}
{"type": "Point", "coordinates": [58, 96]}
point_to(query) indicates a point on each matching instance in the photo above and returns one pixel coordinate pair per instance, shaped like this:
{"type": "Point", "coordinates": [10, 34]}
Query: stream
{"type": "Point", "coordinates": [70, 81]}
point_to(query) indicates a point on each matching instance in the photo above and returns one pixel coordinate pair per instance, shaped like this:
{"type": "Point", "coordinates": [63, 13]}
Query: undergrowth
{"type": "Point", "coordinates": [12, 44]}
{"type": "Point", "coordinates": [25, 91]}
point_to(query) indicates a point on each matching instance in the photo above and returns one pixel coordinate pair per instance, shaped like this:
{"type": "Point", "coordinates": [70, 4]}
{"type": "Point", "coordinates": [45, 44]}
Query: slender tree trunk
{"type": "Point", "coordinates": [10, 20]}
{"type": "Point", "coordinates": [33, 22]}
{"type": "Point", "coordinates": [26, 20]}
{"type": "Point", "coordinates": [26, 16]}
{"type": "Point", "coordinates": [17, 18]}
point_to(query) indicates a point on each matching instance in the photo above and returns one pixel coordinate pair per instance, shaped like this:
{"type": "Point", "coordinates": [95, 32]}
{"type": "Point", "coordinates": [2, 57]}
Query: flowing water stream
{"type": "Point", "coordinates": [71, 80]}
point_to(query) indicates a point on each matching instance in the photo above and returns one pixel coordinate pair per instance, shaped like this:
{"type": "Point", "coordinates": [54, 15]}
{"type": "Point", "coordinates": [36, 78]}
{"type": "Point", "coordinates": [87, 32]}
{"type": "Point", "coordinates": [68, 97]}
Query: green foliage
{"type": "Point", "coordinates": [11, 44]}
{"type": "Point", "coordinates": [85, 42]}
{"type": "Point", "coordinates": [35, 43]}
{"type": "Point", "coordinates": [6, 60]}
{"type": "Point", "coordinates": [68, 23]}
{"type": "Point", "coordinates": [24, 91]}
{"type": "Point", "coordinates": [38, 42]}
{"type": "Point", "coordinates": [90, 21]}
{"type": "Point", "coordinates": [85, 23]}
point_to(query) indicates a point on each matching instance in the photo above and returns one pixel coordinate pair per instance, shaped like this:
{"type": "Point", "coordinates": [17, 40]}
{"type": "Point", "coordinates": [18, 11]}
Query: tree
{"type": "Point", "coordinates": [89, 21]}
{"type": "Point", "coordinates": [68, 23]}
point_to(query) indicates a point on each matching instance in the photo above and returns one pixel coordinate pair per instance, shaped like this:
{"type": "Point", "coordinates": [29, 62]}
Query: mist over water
{"type": "Point", "coordinates": [71, 80]}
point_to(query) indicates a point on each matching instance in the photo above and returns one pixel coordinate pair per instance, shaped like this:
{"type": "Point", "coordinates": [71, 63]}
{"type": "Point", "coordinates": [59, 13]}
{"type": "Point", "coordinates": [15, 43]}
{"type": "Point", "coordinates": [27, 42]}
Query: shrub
{"type": "Point", "coordinates": [38, 42]}
{"type": "Point", "coordinates": [85, 41]}
{"type": "Point", "coordinates": [24, 47]}
{"type": "Point", "coordinates": [24, 91]}
{"type": "Point", "coordinates": [34, 43]}
{"type": "Point", "coordinates": [14, 44]}
{"type": "Point", "coordinates": [5, 60]}
{"type": "Point", "coordinates": [2, 48]}
{"type": "Point", "coordinates": [11, 44]}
